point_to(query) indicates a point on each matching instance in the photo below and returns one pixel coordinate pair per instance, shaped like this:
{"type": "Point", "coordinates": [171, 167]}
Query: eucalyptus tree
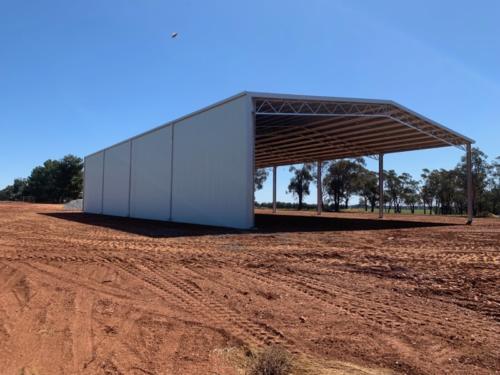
{"type": "Point", "coordinates": [300, 182]}
{"type": "Point", "coordinates": [259, 178]}
{"type": "Point", "coordinates": [367, 188]}
{"type": "Point", "coordinates": [340, 181]}
{"type": "Point", "coordinates": [410, 191]}
{"type": "Point", "coordinates": [481, 169]}
{"type": "Point", "coordinates": [393, 190]}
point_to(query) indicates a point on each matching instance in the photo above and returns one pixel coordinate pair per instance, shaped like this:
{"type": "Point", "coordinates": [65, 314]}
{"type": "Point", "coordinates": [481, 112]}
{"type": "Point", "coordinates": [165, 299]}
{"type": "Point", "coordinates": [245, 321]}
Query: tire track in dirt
{"type": "Point", "coordinates": [82, 336]}
{"type": "Point", "coordinates": [472, 324]}
{"type": "Point", "coordinates": [51, 273]}
{"type": "Point", "coordinates": [343, 301]}
{"type": "Point", "coordinates": [349, 303]}
{"type": "Point", "coordinates": [391, 289]}
{"type": "Point", "coordinates": [402, 312]}
{"type": "Point", "coordinates": [393, 315]}
{"type": "Point", "coordinates": [11, 276]}
{"type": "Point", "coordinates": [91, 260]}
{"type": "Point", "coordinates": [252, 332]}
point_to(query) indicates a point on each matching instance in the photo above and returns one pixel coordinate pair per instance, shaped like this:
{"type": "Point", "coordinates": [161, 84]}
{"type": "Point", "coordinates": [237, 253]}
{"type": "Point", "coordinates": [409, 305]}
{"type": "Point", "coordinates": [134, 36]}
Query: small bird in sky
{"type": "Point", "coordinates": [174, 34]}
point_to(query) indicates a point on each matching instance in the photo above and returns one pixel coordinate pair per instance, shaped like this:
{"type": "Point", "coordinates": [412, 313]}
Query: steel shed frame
{"type": "Point", "coordinates": [282, 129]}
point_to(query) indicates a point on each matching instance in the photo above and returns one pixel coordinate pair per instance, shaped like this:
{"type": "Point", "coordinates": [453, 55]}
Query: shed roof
{"type": "Point", "coordinates": [297, 128]}
{"type": "Point", "coordinates": [294, 129]}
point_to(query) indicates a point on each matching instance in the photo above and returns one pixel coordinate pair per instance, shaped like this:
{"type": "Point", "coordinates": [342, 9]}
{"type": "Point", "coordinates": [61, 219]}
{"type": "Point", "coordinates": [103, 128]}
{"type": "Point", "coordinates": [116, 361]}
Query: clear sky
{"type": "Point", "coordinates": [76, 76]}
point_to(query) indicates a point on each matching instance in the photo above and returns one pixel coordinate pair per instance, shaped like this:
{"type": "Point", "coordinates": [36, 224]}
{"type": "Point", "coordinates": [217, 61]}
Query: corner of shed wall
{"type": "Point", "coordinates": [213, 167]}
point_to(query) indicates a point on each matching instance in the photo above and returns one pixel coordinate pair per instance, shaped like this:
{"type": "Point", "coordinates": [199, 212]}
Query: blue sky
{"type": "Point", "coordinates": [76, 76]}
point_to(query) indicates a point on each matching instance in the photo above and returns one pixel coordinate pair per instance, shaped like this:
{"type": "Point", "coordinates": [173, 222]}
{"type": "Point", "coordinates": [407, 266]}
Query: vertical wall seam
{"type": "Point", "coordinates": [102, 184]}
{"type": "Point", "coordinates": [84, 182]}
{"type": "Point", "coordinates": [171, 172]}
{"type": "Point", "coordinates": [129, 176]}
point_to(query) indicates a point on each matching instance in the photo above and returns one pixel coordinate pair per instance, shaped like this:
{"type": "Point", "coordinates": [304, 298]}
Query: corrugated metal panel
{"type": "Point", "coordinates": [213, 167]}
{"type": "Point", "coordinates": [116, 180]}
{"type": "Point", "coordinates": [92, 200]}
{"type": "Point", "coordinates": [151, 175]}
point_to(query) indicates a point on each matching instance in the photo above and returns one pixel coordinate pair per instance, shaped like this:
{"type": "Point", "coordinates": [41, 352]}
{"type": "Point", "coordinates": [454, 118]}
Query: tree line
{"type": "Point", "coordinates": [55, 181]}
{"type": "Point", "coordinates": [438, 191]}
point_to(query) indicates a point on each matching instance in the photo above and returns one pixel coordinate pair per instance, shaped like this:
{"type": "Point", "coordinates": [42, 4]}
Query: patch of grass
{"type": "Point", "coordinates": [273, 360]}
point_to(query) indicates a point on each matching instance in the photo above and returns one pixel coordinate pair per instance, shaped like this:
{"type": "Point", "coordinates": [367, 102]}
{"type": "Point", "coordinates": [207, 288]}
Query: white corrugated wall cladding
{"type": "Point", "coordinates": [197, 170]}
{"type": "Point", "coordinates": [116, 180]}
{"type": "Point", "coordinates": [211, 174]}
{"type": "Point", "coordinates": [151, 175]}
{"type": "Point", "coordinates": [92, 202]}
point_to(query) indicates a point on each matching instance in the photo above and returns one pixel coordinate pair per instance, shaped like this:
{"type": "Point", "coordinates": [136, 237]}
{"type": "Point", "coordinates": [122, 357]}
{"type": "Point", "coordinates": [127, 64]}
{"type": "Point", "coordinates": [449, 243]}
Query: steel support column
{"type": "Point", "coordinates": [274, 189]}
{"type": "Point", "coordinates": [320, 192]}
{"type": "Point", "coordinates": [470, 199]}
{"type": "Point", "coordinates": [381, 186]}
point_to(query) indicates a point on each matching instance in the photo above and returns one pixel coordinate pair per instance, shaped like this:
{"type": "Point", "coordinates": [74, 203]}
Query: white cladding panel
{"type": "Point", "coordinates": [213, 167]}
{"type": "Point", "coordinates": [116, 180]}
{"type": "Point", "coordinates": [92, 190]}
{"type": "Point", "coordinates": [151, 175]}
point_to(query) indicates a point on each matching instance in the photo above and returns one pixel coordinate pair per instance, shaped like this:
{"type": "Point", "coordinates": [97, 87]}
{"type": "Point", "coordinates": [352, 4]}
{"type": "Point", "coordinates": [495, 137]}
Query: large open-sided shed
{"type": "Point", "coordinates": [200, 167]}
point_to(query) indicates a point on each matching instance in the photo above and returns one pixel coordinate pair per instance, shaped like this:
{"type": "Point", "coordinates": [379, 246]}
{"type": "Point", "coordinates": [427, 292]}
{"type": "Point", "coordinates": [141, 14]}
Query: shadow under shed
{"type": "Point", "coordinates": [264, 223]}
{"type": "Point", "coordinates": [302, 223]}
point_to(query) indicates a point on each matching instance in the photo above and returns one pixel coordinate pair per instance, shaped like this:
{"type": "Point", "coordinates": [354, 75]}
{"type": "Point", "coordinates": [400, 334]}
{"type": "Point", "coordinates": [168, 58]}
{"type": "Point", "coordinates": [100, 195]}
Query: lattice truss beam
{"type": "Point", "coordinates": [296, 131]}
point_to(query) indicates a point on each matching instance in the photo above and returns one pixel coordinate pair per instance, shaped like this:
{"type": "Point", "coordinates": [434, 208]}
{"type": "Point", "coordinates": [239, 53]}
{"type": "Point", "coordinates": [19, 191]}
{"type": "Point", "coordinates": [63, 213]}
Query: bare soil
{"type": "Point", "coordinates": [87, 294]}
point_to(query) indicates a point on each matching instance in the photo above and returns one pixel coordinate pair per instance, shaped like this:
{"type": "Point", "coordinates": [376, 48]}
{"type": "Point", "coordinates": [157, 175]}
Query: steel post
{"type": "Point", "coordinates": [274, 189]}
{"type": "Point", "coordinates": [470, 195]}
{"type": "Point", "coordinates": [319, 188]}
{"type": "Point", "coordinates": [381, 186]}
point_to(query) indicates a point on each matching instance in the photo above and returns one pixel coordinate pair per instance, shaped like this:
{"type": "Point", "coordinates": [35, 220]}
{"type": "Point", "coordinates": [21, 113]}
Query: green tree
{"type": "Point", "coordinates": [15, 192]}
{"type": "Point", "coordinates": [299, 183]}
{"type": "Point", "coordinates": [69, 178]}
{"type": "Point", "coordinates": [410, 192]}
{"type": "Point", "coordinates": [341, 180]}
{"type": "Point", "coordinates": [41, 182]}
{"type": "Point", "coordinates": [56, 180]}
{"type": "Point", "coordinates": [367, 188]}
{"type": "Point", "coordinates": [260, 177]}
{"type": "Point", "coordinates": [429, 190]}
{"type": "Point", "coordinates": [495, 186]}
{"type": "Point", "coordinates": [480, 172]}
{"type": "Point", "coordinates": [393, 190]}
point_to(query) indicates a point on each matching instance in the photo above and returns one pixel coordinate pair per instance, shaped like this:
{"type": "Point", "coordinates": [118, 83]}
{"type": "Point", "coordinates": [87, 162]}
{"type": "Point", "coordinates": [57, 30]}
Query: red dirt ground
{"type": "Point", "coordinates": [84, 294]}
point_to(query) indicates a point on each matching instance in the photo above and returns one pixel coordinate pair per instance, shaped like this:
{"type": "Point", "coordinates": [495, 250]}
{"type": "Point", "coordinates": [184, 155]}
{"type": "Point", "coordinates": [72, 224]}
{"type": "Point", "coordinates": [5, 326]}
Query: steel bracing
{"type": "Point", "coordinates": [305, 130]}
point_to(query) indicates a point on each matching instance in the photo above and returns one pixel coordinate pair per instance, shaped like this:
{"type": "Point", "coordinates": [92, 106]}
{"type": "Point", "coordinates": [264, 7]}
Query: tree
{"type": "Point", "coordinates": [42, 182]}
{"type": "Point", "coordinates": [69, 177]}
{"type": "Point", "coordinates": [445, 191]}
{"type": "Point", "coordinates": [259, 178]}
{"type": "Point", "coordinates": [429, 188]}
{"type": "Point", "coordinates": [495, 186]}
{"type": "Point", "coordinates": [480, 171]}
{"type": "Point", "coordinates": [393, 190]}
{"type": "Point", "coordinates": [54, 181]}
{"type": "Point", "coordinates": [299, 183]}
{"type": "Point", "coordinates": [410, 192]}
{"type": "Point", "coordinates": [16, 191]}
{"type": "Point", "coordinates": [341, 181]}
{"type": "Point", "coordinates": [367, 182]}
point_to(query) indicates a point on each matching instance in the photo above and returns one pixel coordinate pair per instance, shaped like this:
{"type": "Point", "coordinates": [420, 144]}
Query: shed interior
{"type": "Point", "coordinates": [292, 129]}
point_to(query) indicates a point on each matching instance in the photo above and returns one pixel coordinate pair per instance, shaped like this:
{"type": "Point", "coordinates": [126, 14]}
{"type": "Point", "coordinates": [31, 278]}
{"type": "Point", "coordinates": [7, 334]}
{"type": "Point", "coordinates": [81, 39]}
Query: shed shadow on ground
{"type": "Point", "coordinates": [265, 223]}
